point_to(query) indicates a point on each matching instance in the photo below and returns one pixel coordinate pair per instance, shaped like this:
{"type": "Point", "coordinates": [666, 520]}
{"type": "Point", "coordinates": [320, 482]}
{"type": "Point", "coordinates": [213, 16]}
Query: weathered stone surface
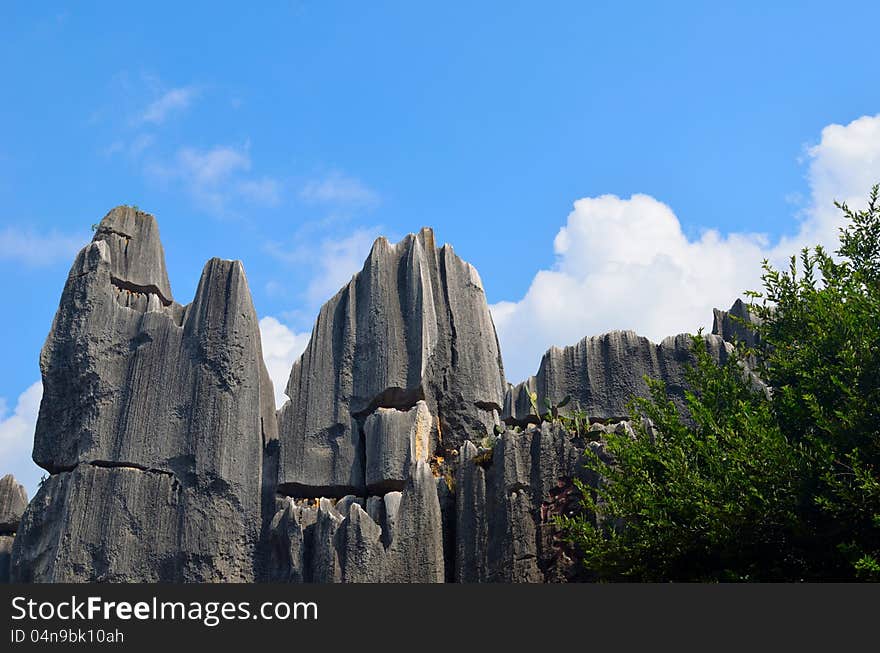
{"type": "Point", "coordinates": [506, 498]}
{"type": "Point", "coordinates": [602, 373]}
{"type": "Point", "coordinates": [13, 501]}
{"type": "Point", "coordinates": [726, 325]}
{"type": "Point", "coordinates": [169, 463]}
{"type": "Point", "coordinates": [416, 550]}
{"type": "Point", "coordinates": [471, 520]}
{"type": "Point", "coordinates": [363, 553]}
{"type": "Point", "coordinates": [6, 542]}
{"type": "Point", "coordinates": [137, 259]}
{"type": "Point", "coordinates": [394, 439]}
{"type": "Point", "coordinates": [287, 545]}
{"type": "Point", "coordinates": [412, 325]}
{"type": "Point", "coordinates": [398, 538]}
{"type": "Point", "coordinates": [141, 394]}
{"type": "Point", "coordinates": [123, 524]}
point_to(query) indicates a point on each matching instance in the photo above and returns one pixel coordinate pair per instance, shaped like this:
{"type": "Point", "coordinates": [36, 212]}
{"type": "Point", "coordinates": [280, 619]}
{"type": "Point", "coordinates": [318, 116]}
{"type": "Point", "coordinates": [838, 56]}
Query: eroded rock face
{"type": "Point", "coordinates": [152, 424]}
{"type": "Point", "coordinates": [506, 498]}
{"type": "Point", "coordinates": [395, 538]}
{"type": "Point", "coordinates": [602, 373]}
{"type": "Point", "coordinates": [733, 324]}
{"type": "Point", "coordinates": [13, 502]}
{"type": "Point", "coordinates": [168, 462]}
{"type": "Point", "coordinates": [413, 325]}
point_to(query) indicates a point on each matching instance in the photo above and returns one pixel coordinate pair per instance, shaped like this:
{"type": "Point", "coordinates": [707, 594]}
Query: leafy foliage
{"type": "Point", "coordinates": [705, 495]}
{"type": "Point", "coordinates": [748, 484]}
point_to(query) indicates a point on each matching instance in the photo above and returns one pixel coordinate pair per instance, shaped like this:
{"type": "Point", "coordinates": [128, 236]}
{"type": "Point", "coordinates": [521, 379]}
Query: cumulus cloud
{"type": "Point", "coordinates": [28, 247]}
{"type": "Point", "coordinates": [338, 188]}
{"type": "Point", "coordinates": [17, 437]}
{"type": "Point", "coordinates": [625, 263]}
{"type": "Point", "coordinates": [281, 347]}
{"type": "Point", "coordinates": [173, 101]}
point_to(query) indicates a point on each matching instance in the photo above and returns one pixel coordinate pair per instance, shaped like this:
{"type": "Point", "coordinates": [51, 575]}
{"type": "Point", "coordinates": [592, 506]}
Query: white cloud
{"type": "Point", "coordinates": [211, 167]}
{"type": "Point", "coordinates": [17, 438]}
{"type": "Point", "coordinates": [627, 264]}
{"type": "Point", "coordinates": [281, 347]}
{"type": "Point", "coordinates": [214, 177]}
{"type": "Point", "coordinates": [266, 191]}
{"type": "Point", "coordinates": [842, 167]}
{"type": "Point", "coordinates": [24, 245]}
{"type": "Point", "coordinates": [337, 188]}
{"type": "Point", "coordinates": [175, 100]}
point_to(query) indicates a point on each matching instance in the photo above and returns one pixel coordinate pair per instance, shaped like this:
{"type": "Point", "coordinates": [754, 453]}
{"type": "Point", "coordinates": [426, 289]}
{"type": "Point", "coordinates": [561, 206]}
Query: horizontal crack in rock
{"type": "Point", "coordinates": [108, 464]}
{"type": "Point", "coordinates": [143, 290]}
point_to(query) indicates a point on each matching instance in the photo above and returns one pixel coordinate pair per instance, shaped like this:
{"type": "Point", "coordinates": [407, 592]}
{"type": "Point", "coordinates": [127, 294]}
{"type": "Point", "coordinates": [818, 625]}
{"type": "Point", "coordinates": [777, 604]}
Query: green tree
{"type": "Point", "coordinates": [747, 483]}
{"type": "Point", "coordinates": [820, 352]}
{"type": "Point", "coordinates": [708, 493]}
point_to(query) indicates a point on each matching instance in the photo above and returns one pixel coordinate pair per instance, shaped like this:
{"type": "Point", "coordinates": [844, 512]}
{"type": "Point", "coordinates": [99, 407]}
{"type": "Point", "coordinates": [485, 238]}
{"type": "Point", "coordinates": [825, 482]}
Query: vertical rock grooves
{"type": "Point", "coordinates": [159, 414]}
{"type": "Point", "coordinates": [169, 463]}
{"type": "Point", "coordinates": [602, 373]}
{"type": "Point", "coordinates": [13, 502]}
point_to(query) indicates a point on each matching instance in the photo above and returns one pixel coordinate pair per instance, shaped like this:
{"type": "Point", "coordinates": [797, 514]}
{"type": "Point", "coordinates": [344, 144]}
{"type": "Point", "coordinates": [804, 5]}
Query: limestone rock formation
{"type": "Point", "coordinates": [397, 538]}
{"type": "Point", "coordinates": [733, 324]}
{"type": "Point", "coordinates": [413, 325]}
{"type": "Point", "coordinates": [13, 501]}
{"type": "Point", "coordinates": [152, 423]}
{"type": "Point", "coordinates": [506, 498]}
{"type": "Point", "coordinates": [168, 462]}
{"type": "Point", "coordinates": [602, 373]}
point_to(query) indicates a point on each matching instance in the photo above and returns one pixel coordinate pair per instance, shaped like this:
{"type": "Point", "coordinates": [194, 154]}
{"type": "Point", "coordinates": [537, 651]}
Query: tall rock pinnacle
{"type": "Point", "coordinates": [152, 422]}
{"type": "Point", "coordinates": [412, 325]}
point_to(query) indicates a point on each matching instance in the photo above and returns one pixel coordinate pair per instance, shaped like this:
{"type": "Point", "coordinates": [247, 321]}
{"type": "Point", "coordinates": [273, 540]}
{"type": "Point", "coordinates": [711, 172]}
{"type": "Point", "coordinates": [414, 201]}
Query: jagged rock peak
{"type": "Point", "coordinates": [136, 254]}
{"type": "Point", "coordinates": [733, 324]}
{"type": "Point", "coordinates": [602, 373]}
{"type": "Point", "coordinates": [152, 422]}
{"type": "Point", "coordinates": [13, 501]}
{"type": "Point", "coordinates": [413, 325]}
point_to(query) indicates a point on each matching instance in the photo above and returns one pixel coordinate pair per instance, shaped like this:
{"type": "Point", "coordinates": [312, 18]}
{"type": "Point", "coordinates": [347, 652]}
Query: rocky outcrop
{"type": "Point", "coordinates": [152, 424]}
{"type": "Point", "coordinates": [506, 498]}
{"type": "Point", "coordinates": [601, 374]}
{"type": "Point", "coordinates": [395, 538]}
{"type": "Point", "coordinates": [168, 462]}
{"type": "Point", "coordinates": [734, 324]}
{"type": "Point", "coordinates": [403, 365]}
{"type": "Point", "coordinates": [13, 502]}
{"type": "Point", "coordinates": [413, 325]}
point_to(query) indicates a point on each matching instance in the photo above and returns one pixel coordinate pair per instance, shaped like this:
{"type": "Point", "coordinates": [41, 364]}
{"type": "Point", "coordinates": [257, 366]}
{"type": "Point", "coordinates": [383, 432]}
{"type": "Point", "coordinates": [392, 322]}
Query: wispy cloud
{"type": "Point", "coordinates": [332, 261]}
{"type": "Point", "coordinates": [626, 263]}
{"type": "Point", "coordinates": [265, 191]}
{"type": "Point", "coordinates": [26, 246]}
{"type": "Point", "coordinates": [173, 101]}
{"type": "Point", "coordinates": [340, 189]}
{"type": "Point", "coordinates": [216, 177]}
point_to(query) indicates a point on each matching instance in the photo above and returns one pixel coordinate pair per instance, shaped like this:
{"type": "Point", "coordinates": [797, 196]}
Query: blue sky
{"type": "Point", "coordinates": [699, 137]}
